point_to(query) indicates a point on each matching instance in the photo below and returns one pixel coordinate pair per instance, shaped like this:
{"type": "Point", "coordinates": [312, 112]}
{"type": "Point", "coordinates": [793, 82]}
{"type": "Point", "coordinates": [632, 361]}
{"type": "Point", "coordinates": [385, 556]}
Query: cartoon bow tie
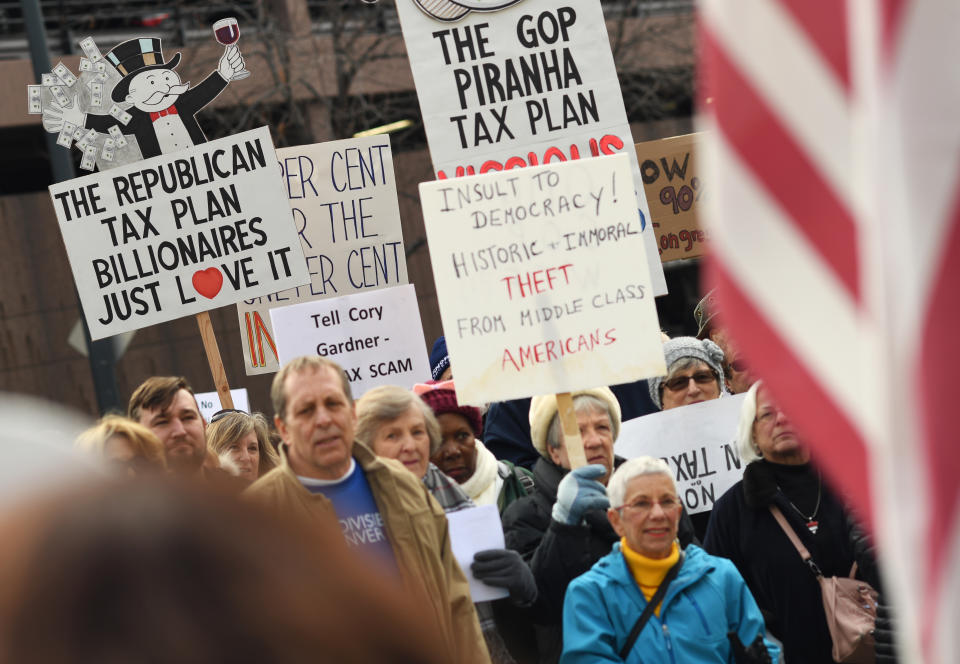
{"type": "Point", "coordinates": [156, 115]}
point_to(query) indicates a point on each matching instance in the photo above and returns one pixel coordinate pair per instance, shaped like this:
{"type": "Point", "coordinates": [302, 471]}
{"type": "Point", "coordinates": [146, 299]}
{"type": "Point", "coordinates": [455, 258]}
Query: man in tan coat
{"type": "Point", "coordinates": [384, 512]}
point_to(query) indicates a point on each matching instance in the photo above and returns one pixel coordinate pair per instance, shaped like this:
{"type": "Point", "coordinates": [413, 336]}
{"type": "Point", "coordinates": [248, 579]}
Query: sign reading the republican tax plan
{"type": "Point", "coordinates": [179, 234]}
{"type": "Point", "coordinates": [376, 336]}
{"type": "Point", "coordinates": [542, 279]}
{"type": "Point", "coordinates": [506, 85]}
{"type": "Point", "coordinates": [343, 196]}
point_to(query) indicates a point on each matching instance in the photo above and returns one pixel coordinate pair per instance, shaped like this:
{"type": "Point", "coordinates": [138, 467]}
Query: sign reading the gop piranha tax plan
{"type": "Point", "coordinates": [343, 196]}
{"type": "Point", "coordinates": [541, 279]}
{"type": "Point", "coordinates": [179, 234]}
{"type": "Point", "coordinates": [505, 85]}
{"type": "Point", "coordinates": [376, 336]}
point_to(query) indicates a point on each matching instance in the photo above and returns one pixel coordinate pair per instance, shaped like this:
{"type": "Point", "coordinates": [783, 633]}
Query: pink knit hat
{"type": "Point", "coordinates": [442, 398]}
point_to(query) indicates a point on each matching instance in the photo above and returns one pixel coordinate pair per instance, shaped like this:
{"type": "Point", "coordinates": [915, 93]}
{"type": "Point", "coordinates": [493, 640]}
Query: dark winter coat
{"type": "Point", "coordinates": [558, 553]}
{"type": "Point", "coordinates": [743, 530]}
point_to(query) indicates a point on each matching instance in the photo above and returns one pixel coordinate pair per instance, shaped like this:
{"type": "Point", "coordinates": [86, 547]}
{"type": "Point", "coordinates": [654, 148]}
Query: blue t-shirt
{"type": "Point", "coordinates": [357, 512]}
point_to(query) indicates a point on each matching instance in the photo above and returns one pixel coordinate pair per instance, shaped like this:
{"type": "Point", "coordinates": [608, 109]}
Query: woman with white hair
{"type": "Point", "coordinates": [743, 529]}
{"type": "Point", "coordinates": [650, 601]}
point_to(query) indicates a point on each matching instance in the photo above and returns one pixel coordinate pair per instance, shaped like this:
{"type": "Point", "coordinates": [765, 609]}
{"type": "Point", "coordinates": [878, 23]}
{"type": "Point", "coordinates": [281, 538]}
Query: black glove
{"type": "Point", "coordinates": [757, 653]}
{"type": "Point", "coordinates": [505, 569]}
{"type": "Point", "coordinates": [883, 635]}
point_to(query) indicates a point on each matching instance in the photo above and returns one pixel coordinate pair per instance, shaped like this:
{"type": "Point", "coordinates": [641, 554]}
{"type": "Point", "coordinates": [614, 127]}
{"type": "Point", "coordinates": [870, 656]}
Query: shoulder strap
{"type": "Point", "coordinates": [651, 606]}
{"type": "Point", "coordinates": [525, 477]}
{"type": "Point", "coordinates": [794, 539]}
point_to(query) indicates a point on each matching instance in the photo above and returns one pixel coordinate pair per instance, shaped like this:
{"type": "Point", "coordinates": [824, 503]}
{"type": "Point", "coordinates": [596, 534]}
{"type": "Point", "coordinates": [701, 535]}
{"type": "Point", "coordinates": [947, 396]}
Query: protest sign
{"type": "Point", "coordinates": [698, 442]}
{"type": "Point", "coordinates": [375, 336]}
{"type": "Point", "coordinates": [182, 234]}
{"type": "Point", "coordinates": [209, 402]}
{"type": "Point", "coordinates": [519, 84]}
{"type": "Point", "coordinates": [674, 190]}
{"type": "Point", "coordinates": [541, 279]}
{"type": "Point", "coordinates": [343, 196]}
{"type": "Point", "coordinates": [473, 530]}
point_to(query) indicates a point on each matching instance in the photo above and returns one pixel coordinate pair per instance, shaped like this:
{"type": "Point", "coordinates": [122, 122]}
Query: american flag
{"type": "Point", "coordinates": [834, 147]}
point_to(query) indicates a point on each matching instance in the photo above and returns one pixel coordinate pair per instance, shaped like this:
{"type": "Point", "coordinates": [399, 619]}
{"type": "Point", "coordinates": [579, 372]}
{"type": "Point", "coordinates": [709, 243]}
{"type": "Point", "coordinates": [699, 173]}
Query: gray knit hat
{"type": "Point", "coordinates": [679, 347]}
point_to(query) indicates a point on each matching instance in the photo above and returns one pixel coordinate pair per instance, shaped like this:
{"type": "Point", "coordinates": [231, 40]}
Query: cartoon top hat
{"type": "Point", "coordinates": [134, 56]}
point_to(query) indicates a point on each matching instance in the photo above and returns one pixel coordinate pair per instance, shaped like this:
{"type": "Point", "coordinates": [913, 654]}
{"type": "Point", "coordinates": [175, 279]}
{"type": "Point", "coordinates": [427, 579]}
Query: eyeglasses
{"type": "Point", "coordinates": [678, 383]}
{"type": "Point", "coordinates": [220, 414]}
{"type": "Point", "coordinates": [644, 506]}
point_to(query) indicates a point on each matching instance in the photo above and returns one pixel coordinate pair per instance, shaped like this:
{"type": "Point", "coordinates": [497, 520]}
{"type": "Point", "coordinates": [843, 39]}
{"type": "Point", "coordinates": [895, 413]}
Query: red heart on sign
{"type": "Point", "coordinates": [208, 282]}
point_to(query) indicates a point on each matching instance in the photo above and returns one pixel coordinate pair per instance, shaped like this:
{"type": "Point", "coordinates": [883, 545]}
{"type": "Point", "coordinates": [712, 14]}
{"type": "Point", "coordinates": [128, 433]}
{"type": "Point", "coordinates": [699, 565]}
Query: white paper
{"type": "Point", "coordinates": [698, 442]}
{"type": "Point", "coordinates": [472, 530]}
{"type": "Point", "coordinates": [142, 256]}
{"type": "Point", "coordinates": [541, 279]}
{"type": "Point", "coordinates": [209, 402]}
{"type": "Point", "coordinates": [519, 84]}
{"type": "Point", "coordinates": [343, 197]}
{"type": "Point", "coordinates": [377, 336]}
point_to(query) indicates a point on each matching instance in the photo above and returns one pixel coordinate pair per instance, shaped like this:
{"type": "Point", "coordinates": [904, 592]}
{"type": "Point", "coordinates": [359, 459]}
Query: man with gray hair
{"type": "Point", "coordinates": [561, 529]}
{"type": "Point", "coordinates": [384, 511]}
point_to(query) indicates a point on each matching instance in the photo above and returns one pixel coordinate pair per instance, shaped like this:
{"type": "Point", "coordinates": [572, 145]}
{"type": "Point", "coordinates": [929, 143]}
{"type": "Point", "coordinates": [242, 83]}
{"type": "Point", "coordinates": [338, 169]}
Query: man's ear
{"type": "Point", "coordinates": [128, 99]}
{"type": "Point", "coordinates": [280, 426]}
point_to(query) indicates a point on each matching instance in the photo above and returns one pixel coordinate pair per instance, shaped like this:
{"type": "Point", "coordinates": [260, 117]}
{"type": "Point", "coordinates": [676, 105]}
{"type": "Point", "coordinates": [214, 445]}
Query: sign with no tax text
{"type": "Point", "coordinates": [542, 279]}
{"type": "Point", "coordinates": [376, 336]}
{"type": "Point", "coordinates": [179, 234]}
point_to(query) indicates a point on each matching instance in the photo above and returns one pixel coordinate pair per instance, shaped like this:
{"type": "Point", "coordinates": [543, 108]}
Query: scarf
{"type": "Point", "coordinates": [485, 483]}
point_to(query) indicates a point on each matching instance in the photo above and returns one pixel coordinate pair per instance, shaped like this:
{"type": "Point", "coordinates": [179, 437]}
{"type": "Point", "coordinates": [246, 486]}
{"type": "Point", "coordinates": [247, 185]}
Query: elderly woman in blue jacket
{"type": "Point", "coordinates": [681, 606]}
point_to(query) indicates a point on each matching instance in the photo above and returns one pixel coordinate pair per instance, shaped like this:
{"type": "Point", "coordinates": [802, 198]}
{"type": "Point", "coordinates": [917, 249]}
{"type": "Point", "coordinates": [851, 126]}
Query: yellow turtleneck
{"type": "Point", "coordinates": [649, 572]}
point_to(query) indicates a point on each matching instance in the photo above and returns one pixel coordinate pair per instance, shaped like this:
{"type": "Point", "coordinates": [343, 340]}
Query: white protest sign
{"type": "Point", "coordinates": [698, 442]}
{"type": "Point", "coordinates": [209, 402]}
{"type": "Point", "coordinates": [472, 530]}
{"type": "Point", "coordinates": [541, 279]}
{"type": "Point", "coordinates": [343, 196]}
{"type": "Point", "coordinates": [519, 84]}
{"type": "Point", "coordinates": [376, 336]}
{"type": "Point", "coordinates": [180, 234]}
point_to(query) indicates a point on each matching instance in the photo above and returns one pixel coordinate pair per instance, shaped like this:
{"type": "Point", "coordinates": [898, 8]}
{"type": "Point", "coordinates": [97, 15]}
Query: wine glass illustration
{"type": "Point", "coordinates": [227, 32]}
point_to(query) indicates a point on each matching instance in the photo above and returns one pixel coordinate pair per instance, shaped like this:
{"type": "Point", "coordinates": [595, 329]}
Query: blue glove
{"type": "Point", "coordinates": [578, 493]}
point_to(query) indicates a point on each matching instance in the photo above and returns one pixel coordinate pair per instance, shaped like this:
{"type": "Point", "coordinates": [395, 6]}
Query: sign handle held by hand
{"type": "Point", "coordinates": [571, 431]}
{"type": "Point", "coordinates": [213, 358]}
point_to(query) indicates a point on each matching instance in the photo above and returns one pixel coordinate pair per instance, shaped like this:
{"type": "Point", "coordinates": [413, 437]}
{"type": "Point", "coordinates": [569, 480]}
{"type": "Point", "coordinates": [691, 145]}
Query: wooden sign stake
{"type": "Point", "coordinates": [571, 431]}
{"type": "Point", "coordinates": [213, 358]}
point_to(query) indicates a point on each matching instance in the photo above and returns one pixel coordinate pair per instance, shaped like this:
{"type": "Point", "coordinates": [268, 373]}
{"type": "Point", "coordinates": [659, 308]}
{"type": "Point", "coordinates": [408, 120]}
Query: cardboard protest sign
{"type": "Point", "coordinates": [377, 336]}
{"type": "Point", "coordinates": [343, 196]}
{"type": "Point", "coordinates": [181, 234]}
{"type": "Point", "coordinates": [541, 279]}
{"type": "Point", "coordinates": [517, 84]}
{"type": "Point", "coordinates": [674, 190]}
{"type": "Point", "coordinates": [209, 402]}
{"type": "Point", "coordinates": [471, 531]}
{"type": "Point", "coordinates": [698, 442]}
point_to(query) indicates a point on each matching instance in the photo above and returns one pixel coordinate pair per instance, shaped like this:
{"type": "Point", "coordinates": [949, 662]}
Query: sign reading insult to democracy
{"type": "Point", "coordinates": [697, 441]}
{"type": "Point", "coordinates": [674, 189]}
{"type": "Point", "coordinates": [516, 84]}
{"type": "Point", "coordinates": [343, 197]}
{"type": "Point", "coordinates": [376, 336]}
{"type": "Point", "coordinates": [541, 279]}
{"type": "Point", "coordinates": [180, 234]}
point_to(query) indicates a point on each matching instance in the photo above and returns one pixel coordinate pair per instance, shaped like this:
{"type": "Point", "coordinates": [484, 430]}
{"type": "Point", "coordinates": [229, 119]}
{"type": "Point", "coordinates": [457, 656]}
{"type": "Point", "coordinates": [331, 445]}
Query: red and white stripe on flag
{"type": "Point", "coordinates": [834, 212]}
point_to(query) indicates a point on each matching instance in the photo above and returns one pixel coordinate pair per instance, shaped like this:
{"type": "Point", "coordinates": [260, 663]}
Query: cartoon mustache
{"type": "Point", "coordinates": [172, 90]}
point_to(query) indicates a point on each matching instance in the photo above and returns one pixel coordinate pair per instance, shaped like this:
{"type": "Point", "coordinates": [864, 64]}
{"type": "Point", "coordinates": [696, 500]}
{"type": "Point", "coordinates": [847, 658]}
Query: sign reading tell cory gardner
{"type": "Point", "coordinates": [542, 279]}
{"type": "Point", "coordinates": [517, 84]}
{"type": "Point", "coordinates": [179, 234]}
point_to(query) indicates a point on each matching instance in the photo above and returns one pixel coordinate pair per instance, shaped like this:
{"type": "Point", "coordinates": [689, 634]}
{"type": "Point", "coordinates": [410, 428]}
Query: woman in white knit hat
{"type": "Point", "coordinates": [694, 373]}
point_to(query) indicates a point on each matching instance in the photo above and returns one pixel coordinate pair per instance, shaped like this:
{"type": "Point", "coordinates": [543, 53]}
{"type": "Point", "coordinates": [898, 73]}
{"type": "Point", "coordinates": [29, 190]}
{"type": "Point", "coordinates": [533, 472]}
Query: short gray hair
{"type": "Point", "coordinates": [582, 403]}
{"type": "Point", "coordinates": [386, 403]}
{"type": "Point", "coordinates": [748, 414]}
{"type": "Point", "coordinates": [645, 465]}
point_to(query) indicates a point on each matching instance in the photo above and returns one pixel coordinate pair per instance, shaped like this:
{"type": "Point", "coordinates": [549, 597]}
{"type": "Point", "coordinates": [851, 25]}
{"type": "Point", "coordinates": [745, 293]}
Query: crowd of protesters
{"type": "Point", "coordinates": [323, 535]}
